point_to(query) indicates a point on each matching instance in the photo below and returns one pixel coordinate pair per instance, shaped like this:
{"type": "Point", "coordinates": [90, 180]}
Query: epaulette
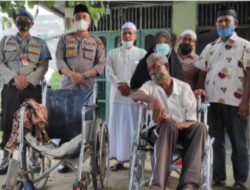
{"type": "Point", "coordinates": [94, 37]}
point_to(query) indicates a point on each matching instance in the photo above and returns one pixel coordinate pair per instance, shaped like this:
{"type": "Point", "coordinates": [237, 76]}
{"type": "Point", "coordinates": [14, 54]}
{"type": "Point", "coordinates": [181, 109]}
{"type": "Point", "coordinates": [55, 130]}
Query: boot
{"type": "Point", "coordinates": [63, 168]}
{"type": "Point", "coordinates": [5, 162]}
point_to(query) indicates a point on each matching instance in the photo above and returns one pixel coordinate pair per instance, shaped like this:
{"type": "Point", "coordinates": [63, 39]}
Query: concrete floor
{"type": "Point", "coordinates": [118, 180]}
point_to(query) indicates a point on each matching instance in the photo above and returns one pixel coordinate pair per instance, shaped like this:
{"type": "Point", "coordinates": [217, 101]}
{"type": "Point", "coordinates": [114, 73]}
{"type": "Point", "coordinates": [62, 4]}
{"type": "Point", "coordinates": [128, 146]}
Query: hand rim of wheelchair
{"type": "Point", "coordinates": [100, 156]}
{"type": "Point", "coordinates": [137, 165]}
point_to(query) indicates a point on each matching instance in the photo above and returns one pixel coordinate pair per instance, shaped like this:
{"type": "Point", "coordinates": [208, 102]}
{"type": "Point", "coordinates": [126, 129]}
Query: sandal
{"type": "Point", "coordinates": [239, 186]}
{"type": "Point", "coordinates": [117, 167]}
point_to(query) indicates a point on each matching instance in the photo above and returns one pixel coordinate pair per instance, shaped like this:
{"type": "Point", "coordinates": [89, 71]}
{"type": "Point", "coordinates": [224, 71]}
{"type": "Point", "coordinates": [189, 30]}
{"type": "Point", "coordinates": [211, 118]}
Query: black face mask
{"type": "Point", "coordinates": [23, 25]}
{"type": "Point", "coordinates": [185, 49]}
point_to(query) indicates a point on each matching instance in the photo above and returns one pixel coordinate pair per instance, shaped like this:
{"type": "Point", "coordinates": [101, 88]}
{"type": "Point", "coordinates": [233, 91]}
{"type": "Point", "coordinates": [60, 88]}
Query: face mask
{"type": "Point", "coordinates": [159, 78]}
{"type": "Point", "coordinates": [127, 44]}
{"type": "Point", "coordinates": [23, 25]}
{"type": "Point", "coordinates": [226, 32]}
{"type": "Point", "coordinates": [162, 48]}
{"type": "Point", "coordinates": [185, 49]}
{"type": "Point", "coordinates": [81, 25]}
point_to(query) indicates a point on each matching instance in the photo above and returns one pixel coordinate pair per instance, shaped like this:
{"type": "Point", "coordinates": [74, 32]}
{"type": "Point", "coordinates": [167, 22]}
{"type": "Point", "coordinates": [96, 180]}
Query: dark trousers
{"type": "Point", "coordinates": [11, 100]}
{"type": "Point", "coordinates": [192, 139]}
{"type": "Point", "coordinates": [224, 117]}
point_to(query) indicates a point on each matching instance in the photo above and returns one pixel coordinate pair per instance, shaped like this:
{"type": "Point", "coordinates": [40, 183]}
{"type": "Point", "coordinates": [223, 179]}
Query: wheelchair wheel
{"type": "Point", "coordinates": [39, 178]}
{"type": "Point", "coordinates": [25, 185]}
{"type": "Point", "coordinates": [136, 168]}
{"type": "Point", "coordinates": [103, 156]}
{"type": "Point", "coordinates": [100, 156]}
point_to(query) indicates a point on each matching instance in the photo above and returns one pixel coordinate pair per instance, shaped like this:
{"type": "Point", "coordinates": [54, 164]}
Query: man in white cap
{"type": "Point", "coordinates": [187, 56]}
{"type": "Point", "coordinates": [121, 63]}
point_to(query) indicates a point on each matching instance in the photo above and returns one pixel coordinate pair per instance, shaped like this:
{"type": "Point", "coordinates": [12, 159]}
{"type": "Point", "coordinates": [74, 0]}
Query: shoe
{"type": "Point", "coordinates": [5, 162]}
{"type": "Point", "coordinates": [239, 186]}
{"type": "Point", "coordinates": [62, 168]}
{"type": "Point", "coordinates": [116, 167]}
{"type": "Point", "coordinates": [219, 183]}
{"type": "Point", "coordinates": [33, 164]}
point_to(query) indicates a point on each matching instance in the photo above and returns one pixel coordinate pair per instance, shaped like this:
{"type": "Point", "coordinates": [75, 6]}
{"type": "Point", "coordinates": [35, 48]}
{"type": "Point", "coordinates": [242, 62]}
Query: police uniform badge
{"type": "Point", "coordinates": [71, 47]}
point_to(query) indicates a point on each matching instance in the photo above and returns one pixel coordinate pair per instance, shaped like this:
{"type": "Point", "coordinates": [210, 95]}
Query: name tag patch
{"type": "Point", "coordinates": [24, 61]}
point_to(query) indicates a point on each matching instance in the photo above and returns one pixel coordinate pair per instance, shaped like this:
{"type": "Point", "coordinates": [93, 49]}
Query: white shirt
{"type": "Point", "coordinates": [121, 64]}
{"type": "Point", "coordinates": [225, 63]}
{"type": "Point", "coordinates": [181, 103]}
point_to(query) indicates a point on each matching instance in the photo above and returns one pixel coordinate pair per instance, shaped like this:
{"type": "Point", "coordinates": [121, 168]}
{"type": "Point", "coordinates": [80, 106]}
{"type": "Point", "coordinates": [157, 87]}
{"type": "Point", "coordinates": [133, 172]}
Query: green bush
{"type": "Point", "coordinates": [55, 80]}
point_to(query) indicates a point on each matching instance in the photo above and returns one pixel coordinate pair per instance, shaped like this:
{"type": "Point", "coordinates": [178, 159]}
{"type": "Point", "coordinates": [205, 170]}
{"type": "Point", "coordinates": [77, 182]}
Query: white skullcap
{"type": "Point", "coordinates": [189, 32]}
{"type": "Point", "coordinates": [129, 25]}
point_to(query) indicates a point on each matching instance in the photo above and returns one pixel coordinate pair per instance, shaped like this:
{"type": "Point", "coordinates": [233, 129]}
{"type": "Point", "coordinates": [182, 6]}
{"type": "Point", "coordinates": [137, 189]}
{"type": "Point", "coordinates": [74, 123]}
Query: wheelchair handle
{"type": "Point", "coordinates": [87, 105]}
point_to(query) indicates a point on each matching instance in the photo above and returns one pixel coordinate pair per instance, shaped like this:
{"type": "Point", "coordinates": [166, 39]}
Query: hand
{"type": "Point", "coordinates": [158, 110]}
{"type": "Point", "coordinates": [123, 88]}
{"type": "Point", "coordinates": [76, 78]}
{"type": "Point", "coordinates": [199, 92]}
{"type": "Point", "coordinates": [244, 110]}
{"type": "Point", "coordinates": [21, 82]}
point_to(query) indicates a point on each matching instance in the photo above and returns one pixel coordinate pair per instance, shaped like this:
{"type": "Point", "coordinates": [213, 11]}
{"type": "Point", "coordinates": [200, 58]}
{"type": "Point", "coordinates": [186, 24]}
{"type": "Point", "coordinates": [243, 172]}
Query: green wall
{"type": "Point", "coordinates": [184, 16]}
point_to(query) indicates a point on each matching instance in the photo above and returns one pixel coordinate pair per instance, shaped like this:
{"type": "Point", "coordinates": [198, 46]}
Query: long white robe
{"type": "Point", "coordinates": [121, 64]}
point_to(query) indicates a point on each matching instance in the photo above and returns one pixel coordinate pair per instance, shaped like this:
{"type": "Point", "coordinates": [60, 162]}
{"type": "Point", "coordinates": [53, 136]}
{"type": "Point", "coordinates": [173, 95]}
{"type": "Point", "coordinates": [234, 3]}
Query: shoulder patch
{"type": "Point", "coordinates": [90, 40]}
{"type": "Point", "coordinates": [94, 37]}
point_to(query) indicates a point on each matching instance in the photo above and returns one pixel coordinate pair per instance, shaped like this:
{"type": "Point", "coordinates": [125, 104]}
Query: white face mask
{"type": "Point", "coordinates": [81, 25]}
{"type": "Point", "coordinates": [127, 44]}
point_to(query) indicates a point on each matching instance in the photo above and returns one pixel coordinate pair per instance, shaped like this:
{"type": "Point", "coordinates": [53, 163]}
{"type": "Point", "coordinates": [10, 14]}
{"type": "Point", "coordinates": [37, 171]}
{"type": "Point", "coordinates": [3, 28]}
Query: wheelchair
{"type": "Point", "coordinates": [141, 145]}
{"type": "Point", "coordinates": [87, 138]}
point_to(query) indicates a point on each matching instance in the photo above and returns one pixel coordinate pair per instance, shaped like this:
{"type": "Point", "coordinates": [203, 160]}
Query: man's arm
{"type": "Point", "coordinates": [5, 72]}
{"type": "Point", "coordinates": [157, 108]}
{"type": "Point", "coordinates": [244, 105]}
{"type": "Point", "coordinates": [122, 86]}
{"type": "Point", "coordinates": [76, 78]}
{"type": "Point", "coordinates": [37, 75]}
{"type": "Point", "coordinates": [182, 124]}
{"type": "Point", "coordinates": [100, 61]}
{"type": "Point", "coordinates": [110, 74]}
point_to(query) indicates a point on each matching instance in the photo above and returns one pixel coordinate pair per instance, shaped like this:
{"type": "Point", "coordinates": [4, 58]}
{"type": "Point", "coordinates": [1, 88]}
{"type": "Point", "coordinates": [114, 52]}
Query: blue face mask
{"type": "Point", "coordinates": [162, 48]}
{"type": "Point", "coordinates": [226, 32]}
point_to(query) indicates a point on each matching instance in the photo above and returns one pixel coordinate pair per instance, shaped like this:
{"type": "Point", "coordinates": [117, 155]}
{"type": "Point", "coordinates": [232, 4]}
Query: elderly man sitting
{"type": "Point", "coordinates": [174, 110]}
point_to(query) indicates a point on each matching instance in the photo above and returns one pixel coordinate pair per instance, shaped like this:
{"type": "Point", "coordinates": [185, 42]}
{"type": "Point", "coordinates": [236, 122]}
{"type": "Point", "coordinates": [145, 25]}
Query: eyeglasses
{"type": "Point", "coordinates": [227, 21]}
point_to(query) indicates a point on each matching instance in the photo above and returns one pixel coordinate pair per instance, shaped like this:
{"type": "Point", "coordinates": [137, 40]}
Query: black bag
{"type": "Point", "coordinates": [64, 111]}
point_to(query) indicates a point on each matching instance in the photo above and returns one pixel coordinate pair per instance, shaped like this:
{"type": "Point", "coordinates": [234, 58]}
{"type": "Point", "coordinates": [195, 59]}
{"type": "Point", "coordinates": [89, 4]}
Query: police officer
{"type": "Point", "coordinates": [80, 56]}
{"type": "Point", "coordinates": [23, 63]}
